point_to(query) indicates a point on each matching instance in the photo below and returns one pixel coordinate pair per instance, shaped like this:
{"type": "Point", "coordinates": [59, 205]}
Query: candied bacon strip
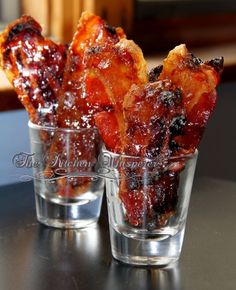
{"type": "Point", "coordinates": [198, 82]}
{"type": "Point", "coordinates": [109, 129]}
{"type": "Point", "coordinates": [74, 110]}
{"type": "Point", "coordinates": [34, 65]}
{"type": "Point", "coordinates": [152, 205]}
{"type": "Point", "coordinates": [149, 111]}
{"type": "Point", "coordinates": [117, 68]}
{"type": "Point", "coordinates": [93, 31]}
{"type": "Point", "coordinates": [165, 117]}
{"type": "Point", "coordinates": [97, 56]}
{"type": "Point", "coordinates": [190, 74]}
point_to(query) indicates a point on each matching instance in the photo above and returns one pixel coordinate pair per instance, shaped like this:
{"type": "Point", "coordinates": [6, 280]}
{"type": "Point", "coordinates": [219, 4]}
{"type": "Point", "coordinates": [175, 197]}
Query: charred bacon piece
{"type": "Point", "coordinates": [144, 120]}
{"type": "Point", "coordinates": [34, 65]}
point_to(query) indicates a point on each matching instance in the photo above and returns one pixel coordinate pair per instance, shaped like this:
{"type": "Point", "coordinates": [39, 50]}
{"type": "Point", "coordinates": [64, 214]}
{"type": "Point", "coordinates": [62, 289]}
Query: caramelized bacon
{"type": "Point", "coordinates": [116, 68]}
{"type": "Point", "coordinates": [74, 109]}
{"type": "Point", "coordinates": [97, 57]}
{"type": "Point", "coordinates": [109, 130]}
{"type": "Point", "coordinates": [198, 82]}
{"type": "Point", "coordinates": [34, 65]}
{"type": "Point", "coordinates": [163, 118]}
{"type": "Point", "coordinates": [169, 114]}
{"type": "Point", "coordinates": [93, 31]}
{"type": "Point", "coordinates": [189, 73]}
{"type": "Point", "coordinates": [149, 112]}
{"type": "Point", "coordinates": [149, 206]}
{"type": "Point", "coordinates": [92, 35]}
{"type": "Point", "coordinates": [102, 79]}
{"type": "Point", "coordinates": [79, 150]}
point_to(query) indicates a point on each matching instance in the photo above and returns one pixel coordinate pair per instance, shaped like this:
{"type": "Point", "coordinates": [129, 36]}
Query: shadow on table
{"type": "Point", "coordinates": [66, 259]}
{"type": "Point", "coordinates": [81, 260]}
{"type": "Point", "coordinates": [127, 277]}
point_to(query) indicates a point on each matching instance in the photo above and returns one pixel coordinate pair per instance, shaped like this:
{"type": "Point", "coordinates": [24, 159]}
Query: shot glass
{"type": "Point", "coordinates": [68, 191]}
{"type": "Point", "coordinates": [148, 203]}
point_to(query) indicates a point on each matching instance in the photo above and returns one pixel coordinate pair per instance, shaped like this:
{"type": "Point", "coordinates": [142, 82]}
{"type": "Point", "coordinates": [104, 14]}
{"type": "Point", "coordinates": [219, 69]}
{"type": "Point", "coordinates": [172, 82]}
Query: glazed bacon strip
{"type": "Point", "coordinates": [98, 57]}
{"type": "Point", "coordinates": [197, 81]}
{"type": "Point", "coordinates": [74, 110]}
{"type": "Point", "coordinates": [189, 78]}
{"type": "Point", "coordinates": [117, 68]}
{"type": "Point", "coordinates": [149, 111]}
{"type": "Point", "coordinates": [102, 80]}
{"type": "Point", "coordinates": [34, 65]}
{"type": "Point", "coordinates": [163, 118]}
{"type": "Point", "coordinates": [112, 70]}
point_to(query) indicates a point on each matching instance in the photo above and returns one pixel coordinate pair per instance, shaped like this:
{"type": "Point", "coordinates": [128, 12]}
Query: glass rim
{"type": "Point", "coordinates": [174, 158]}
{"type": "Point", "coordinates": [51, 128]}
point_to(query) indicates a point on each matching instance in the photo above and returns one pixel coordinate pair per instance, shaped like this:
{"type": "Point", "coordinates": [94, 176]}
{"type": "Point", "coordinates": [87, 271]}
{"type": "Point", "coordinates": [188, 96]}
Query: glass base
{"type": "Point", "coordinates": [160, 251]}
{"type": "Point", "coordinates": [67, 215]}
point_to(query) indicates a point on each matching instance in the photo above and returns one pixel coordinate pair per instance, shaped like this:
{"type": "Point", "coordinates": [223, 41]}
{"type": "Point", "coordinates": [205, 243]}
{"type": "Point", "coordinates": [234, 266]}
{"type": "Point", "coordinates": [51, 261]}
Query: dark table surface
{"type": "Point", "coordinates": [35, 257]}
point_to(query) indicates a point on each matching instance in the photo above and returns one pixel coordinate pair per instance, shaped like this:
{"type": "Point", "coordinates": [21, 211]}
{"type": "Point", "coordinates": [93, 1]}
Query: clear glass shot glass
{"type": "Point", "coordinates": [148, 202]}
{"type": "Point", "coordinates": [68, 191]}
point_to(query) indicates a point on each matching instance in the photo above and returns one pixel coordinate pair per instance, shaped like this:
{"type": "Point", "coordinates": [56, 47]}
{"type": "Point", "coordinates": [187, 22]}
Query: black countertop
{"type": "Point", "coordinates": [35, 257]}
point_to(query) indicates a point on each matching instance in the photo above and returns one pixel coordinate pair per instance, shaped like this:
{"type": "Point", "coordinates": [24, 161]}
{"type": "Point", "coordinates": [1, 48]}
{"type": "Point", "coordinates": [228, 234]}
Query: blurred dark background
{"type": "Point", "coordinates": [161, 24]}
{"type": "Point", "coordinates": [207, 27]}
